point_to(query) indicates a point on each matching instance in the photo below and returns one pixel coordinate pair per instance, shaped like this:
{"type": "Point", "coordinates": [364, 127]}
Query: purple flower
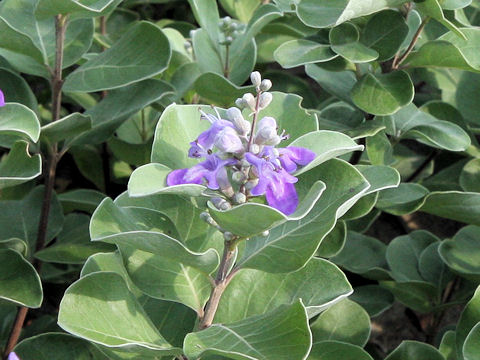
{"type": "Point", "coordinates": [204, 144]}
{"type": "Point", "coordinates": [13, 356]}
{"type": "Point", "coordinates": [292, 156]}
{"type": "Point", "coordinates": [211, 172]}
{"type": "Point", "coordinates": [2, 99]}
{"type": "Point", "coordinates": [227, 140]}
{"type": "Point", "coordinates": [274, 181]}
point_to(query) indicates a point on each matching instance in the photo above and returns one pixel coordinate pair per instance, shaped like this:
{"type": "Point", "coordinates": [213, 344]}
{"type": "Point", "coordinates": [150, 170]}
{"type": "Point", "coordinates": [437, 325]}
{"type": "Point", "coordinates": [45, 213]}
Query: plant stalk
{"type": "Point", "coordinates": [56, 84]}
{"type": "Point", "coordinates": [397, 61]}
{"type": "Point", "coordinates": [226, 70]}
{"type": "Point", "coordinates": [254, 120]}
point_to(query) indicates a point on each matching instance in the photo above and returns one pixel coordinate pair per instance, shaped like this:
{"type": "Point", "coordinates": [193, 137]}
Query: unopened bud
{"type": "Point", "coordinates": [239, 198]}
{"type": "Point", "coordinates": [249, 99]}
{"type": "Point", "coordinates": [256, 78]}
{"type": "Point", "coordinates": [236, 117]}
{"type": "Point", "coordinates": [267, 136]}
{"type": "Point", "coordinates": [265, 85]}
{"type": "Point", "coordinates": [240, 103]}
{"type": "Point", "coordinates": [221, 204]}
{"type": "Point", "coordinates": [239, 177]}
{"type": "Point", "coordinates": [188, 46]}
{"type": "Point", "coordinates": [228, 40]}
{"type": "Point", "coordinates": [228, 236]}
{"type": "Point", "coordinates": [254, 148]}
{"type": "Point", "coordinates": [265, 100]}
{"type": "Point", "coordinates": [265, 233]}
{"type": "Point", "coordinates": [227, 140]}
{"type": "Point", "coordinates": [205, 216]}
{"type": "Point", "coordinates": [249, 185]}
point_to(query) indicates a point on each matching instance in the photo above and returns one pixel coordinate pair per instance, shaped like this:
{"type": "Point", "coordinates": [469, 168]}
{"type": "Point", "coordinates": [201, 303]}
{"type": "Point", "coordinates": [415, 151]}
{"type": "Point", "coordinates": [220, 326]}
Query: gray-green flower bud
{"type": "Point", "coordinates": [205, 216]}
{"type": "Point", "coordinates": [256, 78]}
{"type": "Point", "coordinates": [255, 148]}
{"type": "Point", "coordinates": [236, 117]}
{"type": "Point", "coordinates": [239, 198]}
{"type": "Point", "coordinates": [228, 236]}
{"type": "Point", "coordinates": [265, 100]}
{"type": "Point", "coordinates": [221, 204]}
{"type": "Point", "coordinates": [265, 85]}
{"type": "Point", "coordinates": [249, 99]}
{"type": "Point", "coordinates": [249, 185]}
{"type": "Point", "coordinates": [239, 177]}
{"type": "Point", "coordinates": [240, 103]}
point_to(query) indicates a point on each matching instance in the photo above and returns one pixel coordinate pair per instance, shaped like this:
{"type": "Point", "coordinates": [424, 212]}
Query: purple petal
{"type": "Point", "coordinates": [292, 156]}
{"type": "Point", "coordinates": [197, 151]}
{"type": "Point", "coordinates": [286, 200]}
{"type": "Point", "coordinates": [2, 99]}
{"type": "Point", "coordinates": [176, 177]}
{"type": "Point", "coordinates": [227, 140]}
{"type": "Point", "coordinates": [13, 356]}
{"type": "Point", "coordinates": [207, 138]}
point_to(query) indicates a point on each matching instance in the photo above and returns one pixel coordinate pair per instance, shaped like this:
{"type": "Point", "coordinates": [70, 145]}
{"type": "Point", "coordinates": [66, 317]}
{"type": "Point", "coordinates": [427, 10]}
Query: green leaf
{"type": "Point", "coordinates": [409, 350]}
{"type": "Point", "coordinates": [385, 32]}
{"type": "Point", "coordinates": [471, 346]}
{"type": "Point", "coordinates": [344, 40]}
{"type": "Point", "coordinates": [412, 123]}
{"type": "Point", "coordinates": [433, 9]}
{"type": "Point", "coordinates": [218, 90]}
{"type": "Point", "coordinates": [89, 162]}
{"type": "Point", "coordinates": [20, 218]}
{"type": "Point", "coordinates": [363, 255]}
{"type": "Point", "coordinates": [447, 346]}
{"type": "Point", "coordinates": [300, 52]}
{"type": "Point", "coordinates": [470, 176]}
{"type": "Point", "coordinates": [373, 298]}
{"type": "Point", "coordinates": [20, 282]}
{"type": "Point", "coordinates": [68, 127]}
{"type": "Point", "coordinates": [395, 89]}
{"type": "Point", "coordinates": [333, 243]}
{"type": "Point", "coordinates": [379, 149]}
{"type": "Point", "coordinates": [338, 83]}
{"type": "Point", "coordinates": [118, 106]}
{"type": "Point", "coordinates": [455, 4]}
{"type": "Point", "coordinates": [19, 166]}
{"type": "Point", "coordinates": [66, 347]}
{"type": "Point", "coordinates": [455, 205]}
{"type": "Point", "coordinates": [77, 8]}
{"type": "Point", "coordinates": [334, 12]}
{"type": "Point", "coordinates": [73, 245]}
{"type": "Point", "coordinates": [18, 122]}
{"type": "Point", "coordinates": [82, 199]}
{"type": "Point", "coordinates": [420, 296]}
{"type": "Point", "coordinates": [16, 89]}
{"type": "Point", "coordinates": [461, 253]}
{"type": "Point", "coordinates": [242, 10]}
{"type": "Point", "coordinates": [405, 199]}
{"type": "Point", "coordinates": [126, 62]}
{"type": "Point", "coordinates": [100, 308]}
{"type": "Point", "coordinates": [206, 14]}
{"type": "Point", "coordinates": [469, 318]}
{"type": "Point", "coordinates": [319, 284]}
{"type": "Point", "coordinates": [274, 253]}
{"type": "Point", "coordinates": [258, 337]}
{"type": "Point", "coordinates": [450, 51]}
{"type": "Point", "coordinates": [334, 350]}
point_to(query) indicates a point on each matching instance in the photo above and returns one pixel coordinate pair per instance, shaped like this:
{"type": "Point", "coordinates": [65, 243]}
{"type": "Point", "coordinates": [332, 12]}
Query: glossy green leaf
{"type": "Point", "coordinates": [18, 122]}
{"type": "Point", "coordinates": [16, 89]}
{"type": "Point", "coordinates": [242, 10]}
{"type": "Point", "coordinates": [334, 350]}
{"type": "Point", "coordinates": [273, 253]}
{"type": "Point", "coordinates": [19, 166]}
{"type": "Point", "coordinates": [470, 176]}
{"type": "Point", "coordinates": [20, 282]}
{"type": "Point", "coordinates": [319, 284]}
{"type": "Point", "coordinates": [405, 199]}
{"type": "Point", "coordinates": [420, 296]}
{"type": "Point", "coordinates": [126, 62]}
{"type": "Point", "coordinates": [385, 33]}
{"type": "Point", "coordinates": [461, 253]}
{"type": "Point", "coordinates": [300, 52]}
{"type": "Point", "coordinates": [119, 105]}
{"type": "Point", "coordinates": [363, 255]}
{"type": "Point", "coordinates": [147, 230]}
{"type": "Point", "coordinates": [408, 350]}
{"type": "Point", "coordinates": [264, 336]}
{"type": "Point", "coordinates": [344, 40]}
{"type": "Point", "coordinates": [455, 205]}
{"type": "Point", "coordinates": [433, 9]}
{"type": "Point", "coordinates": [83, 199]}
{"type": "Point", "coordinates": [100, 308]}
{"type": "Point", "coordinates": [395, 89]}
{"type": "Point", "coordinates": [447, 345]}
{"type": "Point", "coordinates": [66, 128]}
{"type": "Point", "coordinates": [327, 12]}
{"type": "Point", "coordinates": [77, 8]}
{"type": "Point", "coordinates": [66, 347]}
{"type": "Point", "coordinates": [373, 298]}
{"type": "Point", "coordinates": [471, 346]}
{"type": "Point", "coordinates": [469, 318]}
{"type": "Point", "coordinates": [345, 321]}
{"type": "Point", "coordinates": [338, 84]}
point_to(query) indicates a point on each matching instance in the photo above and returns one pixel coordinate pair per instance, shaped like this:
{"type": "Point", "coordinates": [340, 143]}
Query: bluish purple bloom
{"type": "Point", "coordinates": [211, 172]}
{"type": "Point", "coordinates": [12, 356]}
{"type": "Point", "coordinates": [206, 139]}
{"type": "Point", "coordinates": [292, 156]}
{"type": "Point", "coordinates": [227, 140]}
{"type": "Point", "coordinates": [2, 99]}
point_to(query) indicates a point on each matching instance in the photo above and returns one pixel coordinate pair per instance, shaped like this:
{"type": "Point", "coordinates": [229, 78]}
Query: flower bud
{"type": "Point", "coordinates": [227, 140]}
{"type": "Point", "coordinates": [249, 99]}
{"type": "Point", "coordinates": [221, 204]}
{"type": "Point", "coordinates": [265, 100]}
{"type": "Point", "coordinates": [265, 85]}
{"type": "Point", "coordinates": [205, 216]}
{"type": "Point", "coordinates": [267, 136]}
{"type": "Point", "coordinates": [240, 103]}
{"type": "Point", "coordinates": [236, 117]}
{"type": "Point", "coordinates": [239, 198]}
{"type": "Point", "coordinates": [256, 78]}
{"type": "Point", "coordinates": [188, 46]}
{"type": "Point", "coordinates": [228, 40]}
{"type": "Point", "coordinates": [228, 236]}
{"type": "Point", "coordinates": [254, 149]}
{"type": "Point", "coordinates": [239, 177]}
{"type": "Point", "coordinates": [249, 185]}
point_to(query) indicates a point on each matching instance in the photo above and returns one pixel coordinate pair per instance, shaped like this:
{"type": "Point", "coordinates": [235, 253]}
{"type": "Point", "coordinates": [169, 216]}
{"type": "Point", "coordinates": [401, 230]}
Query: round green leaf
{"type": "Point", "coordinates": [405, 199]}
{"type": "Point", "coordinates": [19, 166]}
{"type": "Point", "coordinates": [77, 8]}
{"type": "Point", "coordinates": [470, 176]}
{"type": "Point", "coordinates": [471, 346]}
{"type": "Point", "coordinates": [395, 89]}
{"type": "Point", "coordinates": [334, 350]}
{"type": "Point", "coordinates": [373, 298]}
{"type": "Point", "coordinates": [18, 122]}
{"type": "Point", "coordinates": [455, 205]}
{"type": "Point", "coordinates": [469, 318]}
{"type": "Point", "coordinates": [16, 89]}
{"type": "Point", "coordinates": [300, 52]}
{"type": "Point", "coordinates": [344, 40]}
{"type": "Point", "coordinates": [409, 350]}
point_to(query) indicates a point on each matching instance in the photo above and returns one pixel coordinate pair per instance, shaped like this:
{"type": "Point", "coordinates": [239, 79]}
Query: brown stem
{"type": "Point", "coordinates": [56, 83]}
{"type": "Point", "coordinates": [397, 61]}
{"type": "Point", "coordinates": [226, 70]}
{"type": "Point", "coordinates": [221, 281]}
{"type": "Point", "coordinates": [254, 120]}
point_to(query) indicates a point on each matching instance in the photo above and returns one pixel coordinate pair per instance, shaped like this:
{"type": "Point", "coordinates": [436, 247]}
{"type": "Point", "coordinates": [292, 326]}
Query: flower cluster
{"type": "Point", "coordinates": [241, 159]}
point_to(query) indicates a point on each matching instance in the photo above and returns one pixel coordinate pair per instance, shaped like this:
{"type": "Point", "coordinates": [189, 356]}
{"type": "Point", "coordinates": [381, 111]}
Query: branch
{"type": "Point", "coordinates": [397, 61]}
